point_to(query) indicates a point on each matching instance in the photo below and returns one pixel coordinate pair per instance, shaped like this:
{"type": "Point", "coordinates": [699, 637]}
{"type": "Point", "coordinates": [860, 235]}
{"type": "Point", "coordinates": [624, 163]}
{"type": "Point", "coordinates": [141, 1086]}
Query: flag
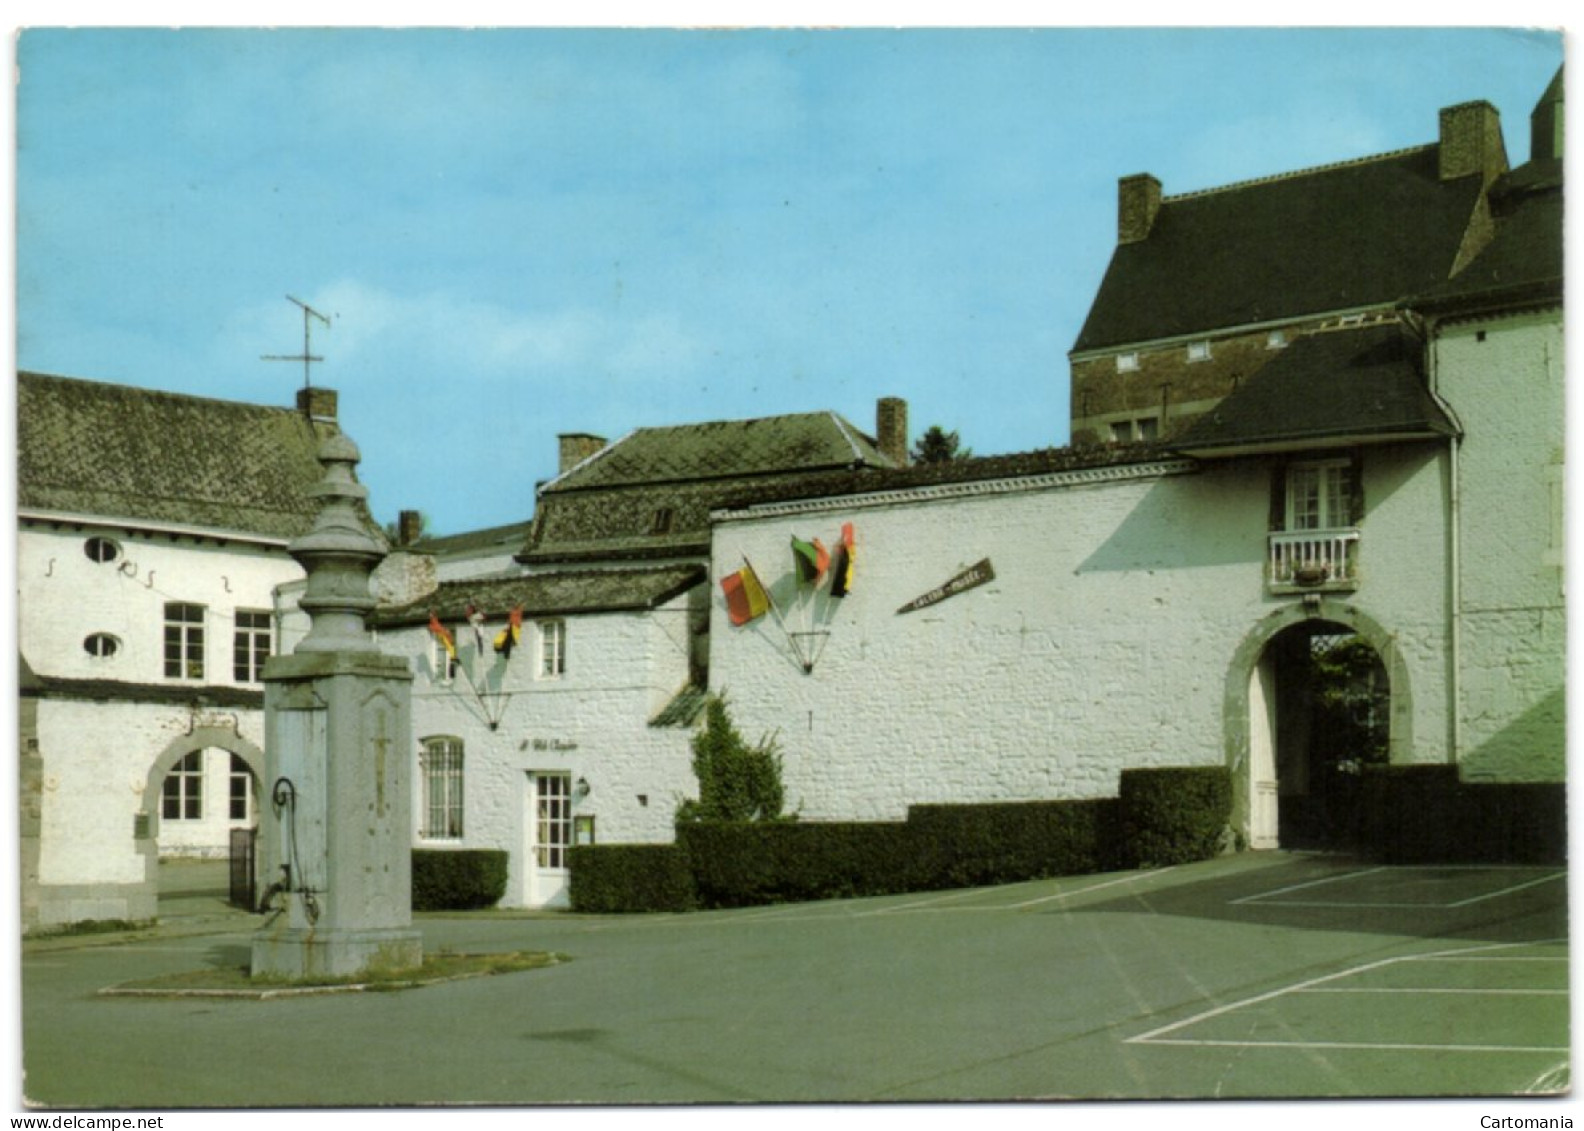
{"type": "Point", "coordinates": [811, 560]}
{"type": "Point", "coordinates": [842, 569]}
{"type": "Point", "coordinates": [444, 637]}
{"type": "Point", "coordinates": [507, 638]}
{"type": "Point", "coordinates": [476, 619]}
{"type": "Point", "coordinates": [745, 597]}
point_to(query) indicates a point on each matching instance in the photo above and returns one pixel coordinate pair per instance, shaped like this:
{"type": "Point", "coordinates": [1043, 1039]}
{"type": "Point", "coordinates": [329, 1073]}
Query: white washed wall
{"type": "Point", "coordinates": [1105, 640]}
{"type": "Point", "coordinates": [63, 597]}
{"type": "Point", "coordinates": [592, 723]}
{"type": "Point", "coordinates": [1504, 378]}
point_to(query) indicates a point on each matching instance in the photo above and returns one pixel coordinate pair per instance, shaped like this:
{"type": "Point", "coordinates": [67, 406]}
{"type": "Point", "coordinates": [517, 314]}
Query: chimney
{"type": "Point", "coordinates": [891, 429]}
{"type": "Point", "coordinates": [317, 404]}
{"type": "Point", "coordinates": [1138, 200]}
{"type": "Point", "coordinates": [409, 528]}
{"type": "Point", "coordinates": [1545, 123]}
{"type": "Point", "coordinates": [1471, 142]}
{"type": "Point", "coordinates": [577, 447]}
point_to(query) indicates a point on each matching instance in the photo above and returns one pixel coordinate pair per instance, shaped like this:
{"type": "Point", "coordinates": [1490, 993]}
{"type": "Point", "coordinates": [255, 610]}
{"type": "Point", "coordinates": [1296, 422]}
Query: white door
{"type": "Point", "coordinates": [1263, 803]}
{"type": "Point", "coordinates": [549, 828]}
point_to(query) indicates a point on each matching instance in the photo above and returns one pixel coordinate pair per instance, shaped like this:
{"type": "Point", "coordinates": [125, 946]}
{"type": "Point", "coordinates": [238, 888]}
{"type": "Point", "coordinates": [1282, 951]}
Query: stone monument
{"type": "Point", "coordinates": [335, 830]}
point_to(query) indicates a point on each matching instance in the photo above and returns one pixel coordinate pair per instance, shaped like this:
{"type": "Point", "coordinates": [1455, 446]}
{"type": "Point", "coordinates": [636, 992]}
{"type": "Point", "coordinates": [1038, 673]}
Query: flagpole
{"type": "Point", "coordinates": [775, 609]}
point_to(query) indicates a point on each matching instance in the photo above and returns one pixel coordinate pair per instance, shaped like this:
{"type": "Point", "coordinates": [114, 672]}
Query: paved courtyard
{"type": "Point", "coordinates": [1260, 975]}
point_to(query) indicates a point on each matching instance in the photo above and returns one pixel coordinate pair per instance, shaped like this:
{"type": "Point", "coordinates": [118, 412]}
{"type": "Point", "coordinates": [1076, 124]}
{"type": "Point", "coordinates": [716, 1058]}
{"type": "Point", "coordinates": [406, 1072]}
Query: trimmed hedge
{"type": "Point", "coordinates": [463, 879]}
{"type": "Point", "coordinates": [1424, 814]}
{"type": "Point", "coordinates": [736, 864]}
{"type": "Point", "coordinates": [1174, 815]}
{"type": "Point", "coordinates": [1005, 842]}
{"type": "Point", "coordinates": [631, 877]}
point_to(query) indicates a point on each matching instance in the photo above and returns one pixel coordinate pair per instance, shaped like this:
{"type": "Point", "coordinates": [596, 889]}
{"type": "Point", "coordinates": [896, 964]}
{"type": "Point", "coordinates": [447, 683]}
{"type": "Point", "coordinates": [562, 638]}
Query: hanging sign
{"type": "Point", "coordinates": [972, 577]}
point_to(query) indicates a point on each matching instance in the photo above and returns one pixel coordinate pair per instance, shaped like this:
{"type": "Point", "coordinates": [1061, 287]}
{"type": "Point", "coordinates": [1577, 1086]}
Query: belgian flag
{"type": "Point", "coordinates": [510, 636]}
{"type": "Point", "coordinates": [842, 568]}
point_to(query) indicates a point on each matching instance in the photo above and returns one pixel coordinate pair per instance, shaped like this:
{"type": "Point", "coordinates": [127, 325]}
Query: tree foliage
{"type": "Point", "coordinates": [737, 782]}
{"type": "Point", "coordinates": [937, 445]}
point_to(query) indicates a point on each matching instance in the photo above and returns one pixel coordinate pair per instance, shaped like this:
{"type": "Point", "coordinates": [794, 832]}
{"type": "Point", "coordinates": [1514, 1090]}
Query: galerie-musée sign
{"type": "Point", "coordinates": [974, 575]}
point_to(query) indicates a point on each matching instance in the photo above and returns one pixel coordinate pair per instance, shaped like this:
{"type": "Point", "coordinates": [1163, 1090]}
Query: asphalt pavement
{"type": "Point", "coordinates": [1260, 975]}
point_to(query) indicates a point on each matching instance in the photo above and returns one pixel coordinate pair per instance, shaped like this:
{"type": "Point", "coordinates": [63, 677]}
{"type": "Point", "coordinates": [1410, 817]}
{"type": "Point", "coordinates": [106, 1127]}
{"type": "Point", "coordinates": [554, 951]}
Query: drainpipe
{"type": "Point", "coordinates": [1454, 498]}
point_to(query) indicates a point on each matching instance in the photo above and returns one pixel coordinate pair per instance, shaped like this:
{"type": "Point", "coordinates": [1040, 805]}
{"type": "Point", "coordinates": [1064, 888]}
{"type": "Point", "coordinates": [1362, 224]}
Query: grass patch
{"type": "Point", "coordinates": [235, 981]}
{"type": "Point", "coordinates": [90, 927]}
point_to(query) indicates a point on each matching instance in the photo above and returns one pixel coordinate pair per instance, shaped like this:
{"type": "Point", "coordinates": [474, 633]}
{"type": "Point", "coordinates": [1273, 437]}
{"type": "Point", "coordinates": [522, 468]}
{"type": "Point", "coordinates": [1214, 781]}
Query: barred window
{"type": "Point", "coordinates": [440, 774]}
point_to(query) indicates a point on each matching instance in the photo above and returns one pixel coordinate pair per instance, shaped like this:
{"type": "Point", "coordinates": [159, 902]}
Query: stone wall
{"type": "Point", "coordinates": [1106, 639]}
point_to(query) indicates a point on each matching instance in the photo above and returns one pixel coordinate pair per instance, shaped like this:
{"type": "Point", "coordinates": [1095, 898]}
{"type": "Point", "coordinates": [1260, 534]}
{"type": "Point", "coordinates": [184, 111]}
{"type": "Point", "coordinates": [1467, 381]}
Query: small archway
{"type": "Point", "coordinates": [1316, 692]}
{"type": "Point", "coordinates": [208, 758]}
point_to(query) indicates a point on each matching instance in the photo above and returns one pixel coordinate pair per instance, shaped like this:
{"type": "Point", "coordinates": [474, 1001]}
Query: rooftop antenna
{"type": "Point", "coordinates": [307, 357]}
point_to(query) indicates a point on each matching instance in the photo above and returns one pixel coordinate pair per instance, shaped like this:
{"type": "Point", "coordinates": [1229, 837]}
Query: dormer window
{"type": "Point", "coordinates": [663, 518]}
{"type": "Point", "coordinates": [1199, 351]}
{"type": "Point", "coordinates": [1127, 362]}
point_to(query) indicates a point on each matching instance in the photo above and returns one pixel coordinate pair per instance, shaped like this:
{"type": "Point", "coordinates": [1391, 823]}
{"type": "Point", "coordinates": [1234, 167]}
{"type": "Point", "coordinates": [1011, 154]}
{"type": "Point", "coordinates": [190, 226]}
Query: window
{"type": "Point", "coordinates": [1198, 351]}
{"type": "Point", "coordinates": [552, 819]}
{"type": "Point", "coordinates": [251, 645]}
{"type": "Point", "coordinates": [1121, 431]}
{"type": "Point", "coordinates": [182, 795]}
{"type": "Point", "coordinates": [102, 549]}
{"type": "Point", "coordinates": [101, 645]}
{"type": "Point", "coordinates": [1148, 428]}
{"type": "Point", "coordinates": [1127, 431]}
{"type": "Point", "coordinates": [241, 797]}
{"type": "Point", "coordinates": [1319, 495]}
{"type": "Point", "coordinates": [663, 518]}
{"type": "Point", "coordinates": [184, 641]}
{"type": "Point", "coordinates": [1276, 339]}
{"type": "Point", "coordinates": [552, 649]}
{"type": "Point", "coordinates": [1127, 362]}
{"type": "Point", "coordinates": [440, 775]}
{"type": "Point", "coordinates": [440, 660]}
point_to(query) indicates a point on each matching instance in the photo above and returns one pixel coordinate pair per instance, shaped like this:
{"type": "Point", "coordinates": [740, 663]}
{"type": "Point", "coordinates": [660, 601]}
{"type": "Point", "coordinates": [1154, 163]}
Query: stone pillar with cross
{"type": "Point", "coordinates": [336, 815]}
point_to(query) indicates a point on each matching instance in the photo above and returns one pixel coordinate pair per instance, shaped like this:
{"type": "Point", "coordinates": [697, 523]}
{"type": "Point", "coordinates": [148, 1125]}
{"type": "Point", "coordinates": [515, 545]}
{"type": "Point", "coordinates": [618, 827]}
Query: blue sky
{"type": "Point", "coordinates": [521, 233]}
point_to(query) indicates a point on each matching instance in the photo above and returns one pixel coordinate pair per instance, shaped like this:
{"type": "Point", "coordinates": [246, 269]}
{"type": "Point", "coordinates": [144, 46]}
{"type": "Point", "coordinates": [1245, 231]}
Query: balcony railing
{"type": "Point", "coordinates": [1305, 560]}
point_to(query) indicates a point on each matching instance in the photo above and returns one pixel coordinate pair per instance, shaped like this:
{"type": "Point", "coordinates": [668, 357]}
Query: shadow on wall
{"type": "Point", "coordinates": [1213, 518]}
{"type": "Point", "coordinates": [1532, 747]}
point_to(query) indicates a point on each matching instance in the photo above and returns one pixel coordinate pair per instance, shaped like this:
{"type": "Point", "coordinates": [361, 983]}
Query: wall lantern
{"type": "Point", "coordinates": [582, 788]}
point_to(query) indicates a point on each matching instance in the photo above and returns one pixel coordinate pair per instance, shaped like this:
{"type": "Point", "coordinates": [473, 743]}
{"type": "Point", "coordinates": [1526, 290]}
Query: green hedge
{"type": "Point", "coordinates": [1005, 842]}
{"type": "Point", "coordinates": [462, 879]}
{"type": "Point", "coordinates": [1424, 814]}
{"type": "Point", "coordinates": [1174, 815]}
{"type": "Point", "coordinates": [631, 877]}
{"type": "Point", "coordinates": [741, 863]}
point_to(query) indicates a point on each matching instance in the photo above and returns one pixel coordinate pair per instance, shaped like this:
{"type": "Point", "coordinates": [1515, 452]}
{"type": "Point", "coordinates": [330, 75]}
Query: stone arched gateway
{"type": "Point", "coordinates": [1248, 705]}
{"type": "Point", "coordinates": [198, 739]}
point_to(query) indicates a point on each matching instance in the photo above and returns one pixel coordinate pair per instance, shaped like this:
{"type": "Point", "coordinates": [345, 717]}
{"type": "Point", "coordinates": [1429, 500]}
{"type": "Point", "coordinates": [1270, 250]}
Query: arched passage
{"type": "Point", "coordinates": [1313, 691]}
{"type": "Point", "coordinates": [190, 763]}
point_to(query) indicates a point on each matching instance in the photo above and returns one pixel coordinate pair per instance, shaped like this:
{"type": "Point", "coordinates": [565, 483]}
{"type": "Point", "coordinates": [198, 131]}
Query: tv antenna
{"type": "Point", "coordinates": [307, 357]}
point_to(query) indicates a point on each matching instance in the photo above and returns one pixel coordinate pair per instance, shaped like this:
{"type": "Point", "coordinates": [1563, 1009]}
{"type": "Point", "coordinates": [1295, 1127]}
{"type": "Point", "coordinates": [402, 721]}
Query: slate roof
{"type": "Point", "coordinates": [607, 506]}
{"type": "Point", "coordinates": [1524, 259]}
{"type": "Point", "coordinates": [501, 539]}
{"type": "Point", "coordinates": [561, 593]}
{"type": "Point", "coordinates": [1327, 387]}
{"type": "Point", "coordinates": [1341, 237]}
{"type": "Point", "coordinates": [89, 448]}
{"type": "Point", "coordinates": [973, 469]}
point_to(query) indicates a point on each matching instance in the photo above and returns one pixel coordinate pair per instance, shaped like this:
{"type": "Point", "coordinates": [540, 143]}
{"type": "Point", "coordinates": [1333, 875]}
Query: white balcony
{"type": "Point", "coordinates": [1306, 561]}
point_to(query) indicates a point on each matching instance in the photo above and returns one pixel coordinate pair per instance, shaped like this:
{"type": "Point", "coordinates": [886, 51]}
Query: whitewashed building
{"type": "Point", "coordinates": [1321, 408]}
{"type": "Point", "coordinates": [583, 733]}
{"type": "Point", "coordinates": [152, 532]}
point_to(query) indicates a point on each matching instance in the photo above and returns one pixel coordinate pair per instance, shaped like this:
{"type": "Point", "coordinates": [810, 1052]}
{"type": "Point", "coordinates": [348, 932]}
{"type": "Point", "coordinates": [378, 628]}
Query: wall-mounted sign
{"type": "Point", "coordinates": [551, 744]}
{"type": "Point", "coordinates": [969, 578]}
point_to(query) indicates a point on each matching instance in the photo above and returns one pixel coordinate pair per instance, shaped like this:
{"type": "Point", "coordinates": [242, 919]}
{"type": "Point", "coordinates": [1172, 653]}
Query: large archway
{"type": "Point", "coordinates": [1316, 692]}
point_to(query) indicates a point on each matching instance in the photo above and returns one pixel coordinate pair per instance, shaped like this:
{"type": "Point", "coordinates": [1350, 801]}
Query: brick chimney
{"type": "Point", "coordinates": [1471, 142]}
{"type": "Point", "coordinates": [891, 429]}
{"type": "Point", "coordinates": [409, 528]}
{"type": "Point", "coordinates": [317, 404]}
{"type": "Point", "coordinates": [1138, 200]}
{"type": "Point", "coordinates": [577, 447]}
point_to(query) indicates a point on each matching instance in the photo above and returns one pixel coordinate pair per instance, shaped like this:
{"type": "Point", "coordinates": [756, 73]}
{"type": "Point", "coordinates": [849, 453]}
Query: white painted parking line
{"type": "Point", "coordinates": [1159, 1036]}
{"type": "Point", "coordinates": [1509, 890]}
{"type": "Point", "coordinates": [1130, 878]}
{"type": "Point", "coordinates": [1308, 884]}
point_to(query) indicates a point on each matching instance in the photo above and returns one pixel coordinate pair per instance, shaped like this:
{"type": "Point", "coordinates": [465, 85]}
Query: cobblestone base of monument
{"type": "Point", "coordinates": [296, 953]}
